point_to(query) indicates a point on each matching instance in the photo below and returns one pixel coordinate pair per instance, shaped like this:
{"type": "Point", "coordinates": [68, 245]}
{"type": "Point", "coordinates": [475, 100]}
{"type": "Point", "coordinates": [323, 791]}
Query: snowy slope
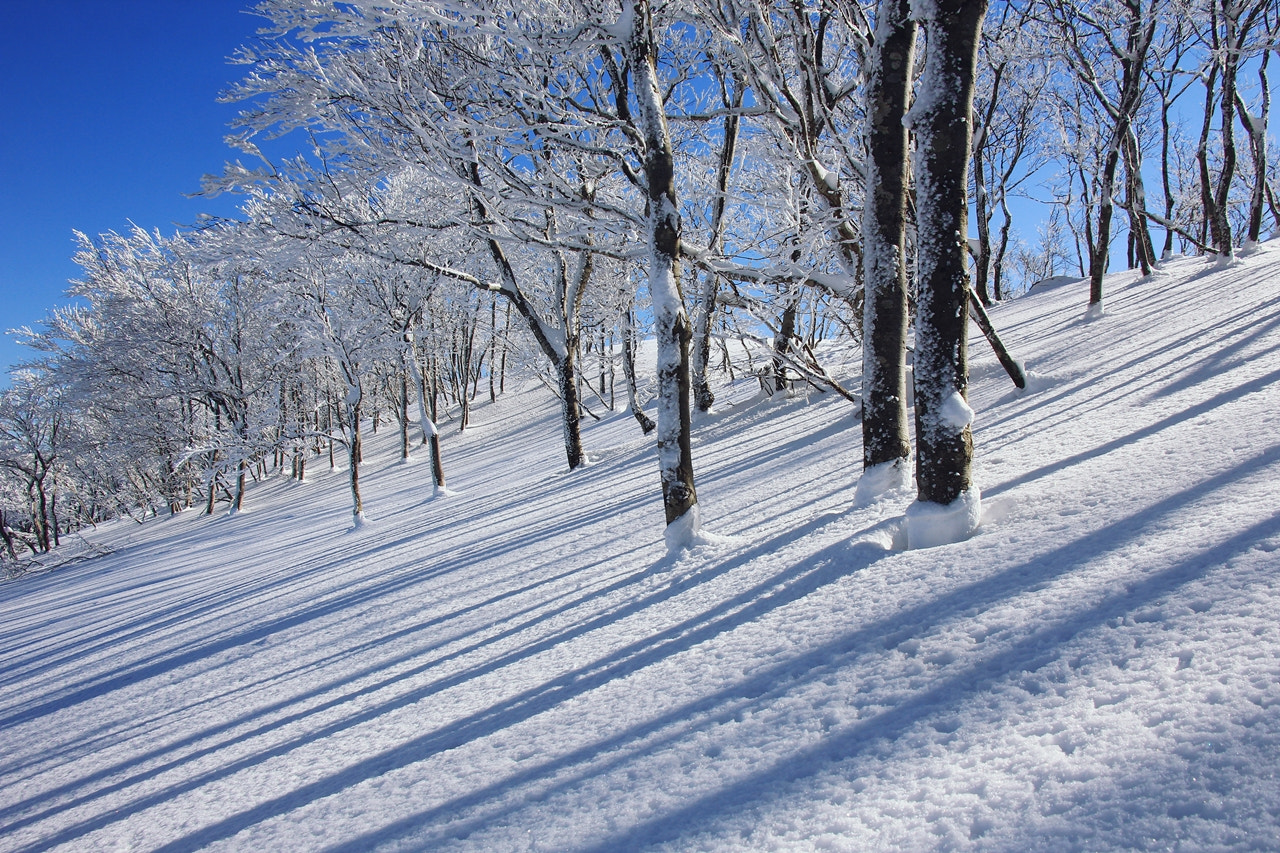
{"type": "Point", "coordinates": [523, 667]}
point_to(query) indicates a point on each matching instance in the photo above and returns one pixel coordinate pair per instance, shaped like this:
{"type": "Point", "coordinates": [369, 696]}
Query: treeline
{"type": "Point", "coordinates": [487, 184]}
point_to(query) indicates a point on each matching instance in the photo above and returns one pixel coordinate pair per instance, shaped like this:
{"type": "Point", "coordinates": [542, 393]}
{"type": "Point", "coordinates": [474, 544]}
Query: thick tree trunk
{"type": "Point", "coordinates": [944, 441]}
{"type": "Point", "coordinates": [884, 318]}
{"type": "Point", "coordinates": [1100, 256]}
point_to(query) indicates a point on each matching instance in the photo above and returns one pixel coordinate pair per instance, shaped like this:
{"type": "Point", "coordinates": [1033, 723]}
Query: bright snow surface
{"type": "Point", "coordinates": [522, 666]}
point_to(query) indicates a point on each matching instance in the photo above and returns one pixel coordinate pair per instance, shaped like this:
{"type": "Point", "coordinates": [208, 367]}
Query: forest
{"type": "Point", "coordinates": [473, 190]}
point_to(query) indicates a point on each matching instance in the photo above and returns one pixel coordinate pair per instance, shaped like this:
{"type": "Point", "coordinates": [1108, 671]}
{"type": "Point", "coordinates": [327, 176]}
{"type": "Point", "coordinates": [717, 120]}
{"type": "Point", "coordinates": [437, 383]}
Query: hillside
{"type": "Point", "coordinates": [522, 666]}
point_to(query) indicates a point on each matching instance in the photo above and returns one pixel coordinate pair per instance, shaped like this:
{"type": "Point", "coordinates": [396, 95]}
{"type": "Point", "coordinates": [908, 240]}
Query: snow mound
{"type": "Point", "coordinates": [880, 481]}
{"type": "Point", "coordinates": [930, 525]}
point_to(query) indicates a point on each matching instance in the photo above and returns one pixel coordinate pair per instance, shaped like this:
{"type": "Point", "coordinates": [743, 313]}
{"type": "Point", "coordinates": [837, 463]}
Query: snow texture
{"type": "Point", "coordinates": [526, 667]}
{"type": "Point", "coordinates": [955, 411]}
{"type": "Point", "coordinates": [879, 481]}
{"type": "Point", "coordinates": [683, 532]}
{"type": "Point", "coordinates": [930, 525]}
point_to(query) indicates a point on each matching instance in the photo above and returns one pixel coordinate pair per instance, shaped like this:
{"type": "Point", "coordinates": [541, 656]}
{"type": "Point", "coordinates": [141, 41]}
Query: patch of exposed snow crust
{"type": "Point", "coordinates": [879, 481]}
{"type": "Point", "coordinates": [930, 524]}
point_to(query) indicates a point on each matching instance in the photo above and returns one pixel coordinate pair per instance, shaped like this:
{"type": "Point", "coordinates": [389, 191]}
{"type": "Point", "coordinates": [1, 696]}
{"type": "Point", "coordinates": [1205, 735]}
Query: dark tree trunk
{"type": "Point", "coordinates": [629, 374]}
{"type": "Point", "coordinates": [944, 446]}
{"type": "Point", "coordinates": [404, 415]}
{"type": "Point", "coordinates": [884, 343]}
{"type": "Point", "coordinates": [782, 344]}
{"type": "Point", "coordinates": [567, 376]}
{"type": "Point", "coordinates": [355, 454]}
{"type": "Point", "coordinates": [8, 537]}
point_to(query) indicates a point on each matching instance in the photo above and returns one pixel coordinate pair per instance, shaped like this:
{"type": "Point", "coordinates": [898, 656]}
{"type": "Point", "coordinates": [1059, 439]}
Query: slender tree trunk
{"type": "Point", "coordinates": [671, 323]}
{"type": "Point", "coordinates": [782, 344]}
{"type": "Point", "coordinates": [884, 319]}
{"type": "Point", "coordinates": [982, 219]}
{"type": "Point", "coordinates": [1256, 128]}
{"type": "Point", "coordinates": [1166, 178]}
{"type": "Point", "coordinates": [355, 455]}
{"type": "Point", "coordinates": [8, 537]}
{"type": "Point", "coordinates": [1136, 193]}
{"type": "Point", "coordinates": [404, 415]}
{"type": "Point", "coordinates": [997, 264]}
{"type": "Point", "coordinates": [571, 419]}
{"type": "Point", "coordinates": [705, 301]}
{"type": "Point", "coordinates": [944, 439]}
{"type": "Point", "coordinates": [629, 374]}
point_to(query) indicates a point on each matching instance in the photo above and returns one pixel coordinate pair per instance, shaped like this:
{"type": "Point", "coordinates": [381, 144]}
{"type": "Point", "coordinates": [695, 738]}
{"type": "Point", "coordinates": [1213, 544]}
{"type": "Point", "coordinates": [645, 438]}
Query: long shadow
{"type": "Point", "coordinates": [165, 661]}
{"type": "Point", "coordinates": [1219, 399]}
{"type": "Point", "coordinates": [721, 706]}
{"type": "Point", "coordinates": [762, 599]}
{"type": "Point", "coordinates": [1178, 348]}
{"type": "Point", "coordinates": [1028, 654]}
{"type": "Point", "coordinates": [257, 714]}
{"type": "Point", "coordinates": [795, 582]}
{"type": "Point", "coordinates": [318, 664]}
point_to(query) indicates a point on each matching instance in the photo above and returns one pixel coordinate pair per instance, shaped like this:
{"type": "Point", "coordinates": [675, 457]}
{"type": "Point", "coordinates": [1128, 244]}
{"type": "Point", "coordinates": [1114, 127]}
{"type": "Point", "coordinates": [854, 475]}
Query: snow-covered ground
{"type": "Point", "coordinates": [522, 666]}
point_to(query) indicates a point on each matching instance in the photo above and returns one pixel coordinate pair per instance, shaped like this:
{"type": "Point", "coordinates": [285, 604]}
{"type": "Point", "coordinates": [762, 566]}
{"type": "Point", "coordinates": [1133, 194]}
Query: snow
{"type": "Point", "coordinates": [879, 481]}
{"type": "Point", "coordinates": [955, 411]}
{"type": "Point", "coordinates": [526, 667]}
{"type": "Point", "coordinates": [929, 524]}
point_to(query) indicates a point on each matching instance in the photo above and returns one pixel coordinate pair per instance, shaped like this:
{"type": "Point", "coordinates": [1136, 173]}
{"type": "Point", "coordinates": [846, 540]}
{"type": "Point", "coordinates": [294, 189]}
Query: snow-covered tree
{"type": "Point", "coordinates": [948, 505]}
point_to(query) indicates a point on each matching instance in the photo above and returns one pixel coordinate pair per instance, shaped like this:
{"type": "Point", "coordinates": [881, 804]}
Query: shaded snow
{"type": "Point", "coordinates": [525, 667]}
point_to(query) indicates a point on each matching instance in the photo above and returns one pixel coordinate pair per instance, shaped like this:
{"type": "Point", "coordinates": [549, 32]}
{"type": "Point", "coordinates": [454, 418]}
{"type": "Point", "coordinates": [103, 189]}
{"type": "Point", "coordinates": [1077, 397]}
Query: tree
{"type": "Point", "coordinates": [948, 505]}
{"type": "Point", "coordinates": [885, 441]}
{"type": "Point", "coordinates": [32, 424]}
{"type": "Point", "coordinates": [1106, 45]}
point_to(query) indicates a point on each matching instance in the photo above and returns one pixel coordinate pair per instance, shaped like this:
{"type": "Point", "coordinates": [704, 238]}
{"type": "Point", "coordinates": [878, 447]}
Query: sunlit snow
{"type": "Point", "coordinates": [525, 666]}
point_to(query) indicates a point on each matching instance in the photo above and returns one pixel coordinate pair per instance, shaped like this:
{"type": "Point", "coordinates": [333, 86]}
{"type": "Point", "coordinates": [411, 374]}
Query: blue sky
{"type": "Point", "coordinates": [110, 118]}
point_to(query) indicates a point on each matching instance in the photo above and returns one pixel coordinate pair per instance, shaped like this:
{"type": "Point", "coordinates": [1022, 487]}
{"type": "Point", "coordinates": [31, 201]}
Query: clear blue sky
{"type": "Point", "coordinates": [110, 117]}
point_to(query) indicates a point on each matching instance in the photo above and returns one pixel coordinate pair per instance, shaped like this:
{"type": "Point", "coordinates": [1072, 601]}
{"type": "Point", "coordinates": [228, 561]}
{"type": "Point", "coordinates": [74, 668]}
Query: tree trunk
{"type": "Point", "coordinates": [571, 419]}
{"type": "Point", "coordinates": [355, 456]}
{"type": "Point", "coordinates": [944, 441]}
{"type": "Point", "coordinates": [1099, 256]}
{"type": "Point", "coordinates": [629, 374]}
{"type": "Point", "coordinates": [982, 219]}
{"type": "Point", "coordinates": [1256, 128]}
{"type": "Point", "coordinates": [8, 537]}
{"type": "Point", "coordinates": [885, 313]}
{"type": "Point", "coordinates": [671, 323]}
{"type": "Point", "coordinates": [404, 415]}
{"type": "Point", "coordinates": [782, 344]}
{"type": "Point", "coordinates": [1136, 197]}
{"type": "Point", "coordinates": [703, 316]}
